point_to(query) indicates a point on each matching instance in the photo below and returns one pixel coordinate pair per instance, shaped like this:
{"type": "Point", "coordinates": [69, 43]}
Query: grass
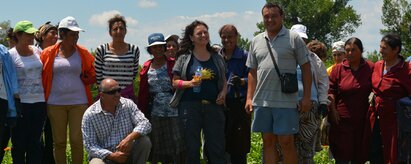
{"type": "Point", "coordinates": [254, 157]}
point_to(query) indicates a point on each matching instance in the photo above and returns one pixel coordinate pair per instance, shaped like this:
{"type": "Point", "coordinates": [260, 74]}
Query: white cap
{"type": "Point", "coordinates": [338, 46]}
{"type": "Point", "coordinates": [69, 23]}
{"type": "Point", "coordinates": [300, 29]}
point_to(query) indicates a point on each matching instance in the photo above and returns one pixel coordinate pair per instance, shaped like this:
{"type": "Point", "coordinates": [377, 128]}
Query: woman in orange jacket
{"type": "Point", "coordinates": [68, 72]}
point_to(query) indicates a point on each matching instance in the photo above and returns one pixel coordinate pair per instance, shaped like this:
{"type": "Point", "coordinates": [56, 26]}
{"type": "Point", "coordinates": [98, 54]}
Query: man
{"type": "Point", "coordinates": [114, 129]}
{"type": "Point", "coordinates": [309, 135]}
{"type": "Point", "coordinates": [276, 115]}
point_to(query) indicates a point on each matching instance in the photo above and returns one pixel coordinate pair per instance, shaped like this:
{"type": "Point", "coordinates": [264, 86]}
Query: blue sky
{"type": "Point", "coordinates": [168, 17]}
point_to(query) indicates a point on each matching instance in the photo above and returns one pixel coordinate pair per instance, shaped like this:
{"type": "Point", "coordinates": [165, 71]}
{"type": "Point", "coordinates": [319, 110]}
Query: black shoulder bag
{"type": "Point", "coordinates": [289, 82]}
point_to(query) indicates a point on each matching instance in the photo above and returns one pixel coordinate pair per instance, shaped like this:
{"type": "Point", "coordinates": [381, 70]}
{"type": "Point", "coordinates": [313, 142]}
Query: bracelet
{"type": "Point", "coordinates": [180, 84]}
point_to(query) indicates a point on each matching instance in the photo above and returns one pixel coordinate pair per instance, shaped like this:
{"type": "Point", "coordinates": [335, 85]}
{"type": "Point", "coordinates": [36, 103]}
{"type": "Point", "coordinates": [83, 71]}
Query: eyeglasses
{"type": "Point", "coordinates": [113, 91]}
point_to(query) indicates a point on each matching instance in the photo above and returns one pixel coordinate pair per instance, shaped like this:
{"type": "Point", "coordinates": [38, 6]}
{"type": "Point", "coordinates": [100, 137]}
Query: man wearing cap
{"type": "Point", "coordinates": [275, 112]}
{"type": "Point", "coordinates": [338, 52]}
{"type": "Point", "coordinates": [68, 72]}
{"type": "Point", "coordinates": [114, 129]}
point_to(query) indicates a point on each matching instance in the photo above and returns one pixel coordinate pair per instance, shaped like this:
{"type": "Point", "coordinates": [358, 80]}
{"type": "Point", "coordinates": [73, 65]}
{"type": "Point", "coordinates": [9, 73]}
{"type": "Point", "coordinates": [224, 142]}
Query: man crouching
{"type": "Point", "coordinates": [114, 129]}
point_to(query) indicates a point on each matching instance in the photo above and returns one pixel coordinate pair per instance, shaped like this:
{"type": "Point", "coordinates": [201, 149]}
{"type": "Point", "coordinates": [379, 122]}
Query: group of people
{"type": "Point", "coordinates": [47, 86]}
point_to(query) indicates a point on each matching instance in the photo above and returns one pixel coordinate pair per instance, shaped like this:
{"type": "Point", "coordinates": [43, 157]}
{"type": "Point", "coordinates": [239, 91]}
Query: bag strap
{"type": "Point", "coordinates": [272, 57]}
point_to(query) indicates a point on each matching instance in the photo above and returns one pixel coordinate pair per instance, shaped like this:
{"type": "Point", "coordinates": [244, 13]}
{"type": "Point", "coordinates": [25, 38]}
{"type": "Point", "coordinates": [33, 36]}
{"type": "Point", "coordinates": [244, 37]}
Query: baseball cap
{"type": "Point", "coordinates": [338, 46]}
{"type": "Point", "coordinates": [25, 26]}
{"type": "Point", "coordinates": [155, 39]}
{"type": "Point", "coordinates": [69, 23]}
{"type": "Point", "coordinates": [300, 29]}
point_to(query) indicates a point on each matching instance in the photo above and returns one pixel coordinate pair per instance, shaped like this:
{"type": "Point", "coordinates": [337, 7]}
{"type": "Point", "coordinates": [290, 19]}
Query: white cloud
{"type": "Point", "coordinates": [102, 18]}
{"type": "Point", "coordinates": [147, 3]}
{"type": "Point", "coordinates": [244, 21]}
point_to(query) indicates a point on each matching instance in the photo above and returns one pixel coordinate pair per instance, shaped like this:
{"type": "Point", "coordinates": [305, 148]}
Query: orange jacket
{"type": "Point", "coordinates": [88, 74]}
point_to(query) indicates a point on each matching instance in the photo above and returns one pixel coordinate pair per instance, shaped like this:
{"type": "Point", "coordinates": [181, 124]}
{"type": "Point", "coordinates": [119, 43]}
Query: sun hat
{"type": "Point", "coordinates": [25, 26]}
{"type": "Point", "coordinates": [69, 23]}
{"type": "Point", "coordinates": [338, 47]}
{"type": "Point", "coordinates": [155, 39]}
{"type": "Point", "coordinates": [300, 29]}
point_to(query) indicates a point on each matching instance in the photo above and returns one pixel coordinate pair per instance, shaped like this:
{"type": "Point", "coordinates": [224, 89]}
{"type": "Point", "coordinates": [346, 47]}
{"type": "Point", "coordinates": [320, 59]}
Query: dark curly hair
{"type": "Point", "coordinates": [186, 45]}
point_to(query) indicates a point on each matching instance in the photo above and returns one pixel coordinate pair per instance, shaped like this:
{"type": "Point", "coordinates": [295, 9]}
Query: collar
{"type": "Point", "coordinates": [282, 32]}
{"type": "Point", "coordinates": [399, 65]}
{"type": "Point", "coordinates": [346, 64]}
{"type": "Point", "coordinates": [99, 108]}
{"type": "Point", "coordinates": [237, 54]}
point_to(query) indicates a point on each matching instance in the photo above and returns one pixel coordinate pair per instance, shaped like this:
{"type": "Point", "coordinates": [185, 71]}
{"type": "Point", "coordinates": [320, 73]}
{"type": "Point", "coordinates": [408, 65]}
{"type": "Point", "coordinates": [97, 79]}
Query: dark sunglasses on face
{"type": "Point", "coordinates": [113, 91]}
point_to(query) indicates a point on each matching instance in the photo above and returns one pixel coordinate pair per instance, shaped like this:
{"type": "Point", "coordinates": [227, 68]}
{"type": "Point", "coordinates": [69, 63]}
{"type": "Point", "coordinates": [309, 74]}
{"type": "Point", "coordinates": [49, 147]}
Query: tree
{"type": "Point", "coordinates": [243, 43]}
{"type": "Point", "coordinates": [326, 20]}
{"type": "Point", "coordinates": [5, 25]}
{"type": "Point", "coordinates": [396, 17]}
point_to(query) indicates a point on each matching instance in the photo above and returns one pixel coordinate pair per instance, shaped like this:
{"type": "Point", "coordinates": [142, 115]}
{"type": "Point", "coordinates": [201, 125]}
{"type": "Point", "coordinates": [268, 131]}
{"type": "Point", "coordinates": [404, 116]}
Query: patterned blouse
{"type": "Point", "coordinates": [161, 92]}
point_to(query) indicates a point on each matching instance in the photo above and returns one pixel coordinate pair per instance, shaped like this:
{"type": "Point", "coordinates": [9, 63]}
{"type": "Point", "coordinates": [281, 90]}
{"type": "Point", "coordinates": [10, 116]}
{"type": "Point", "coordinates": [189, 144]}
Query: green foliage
{"type": "Point", "coordinates": [326, 20]}
{"type": "Point", "coordinates": [396, 17]}
{"type": "Point", "coordinates": [243, 43]}
{"type": "Point", "coordinates": [5, 25]}
{"type": "Point", "coordinates": [323, 157]}
{"type": "Point", "coordinates": [373, 56]}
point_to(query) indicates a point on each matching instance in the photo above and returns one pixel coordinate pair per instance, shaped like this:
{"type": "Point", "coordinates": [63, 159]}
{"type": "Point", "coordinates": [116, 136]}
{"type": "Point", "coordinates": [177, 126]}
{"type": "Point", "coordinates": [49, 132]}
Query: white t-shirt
{"type": "Point", "coordinates": [29, 69]}
{"type": "Point", "coordinates": [3, 94]}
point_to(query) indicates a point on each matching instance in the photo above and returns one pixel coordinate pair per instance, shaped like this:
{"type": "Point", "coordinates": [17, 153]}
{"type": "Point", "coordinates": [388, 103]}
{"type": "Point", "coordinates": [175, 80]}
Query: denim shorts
{"type": "Point", "coordinates": [279, 121]}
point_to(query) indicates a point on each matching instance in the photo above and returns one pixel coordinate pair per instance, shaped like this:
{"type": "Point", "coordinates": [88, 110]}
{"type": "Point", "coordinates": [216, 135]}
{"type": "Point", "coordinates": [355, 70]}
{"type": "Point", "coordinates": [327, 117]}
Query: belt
{"type": "Point", "coordinates": [205, 102]}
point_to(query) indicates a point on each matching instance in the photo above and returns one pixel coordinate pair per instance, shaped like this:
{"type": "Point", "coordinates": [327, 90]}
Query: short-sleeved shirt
{"type": "Point", "coordinates": [161, 92]}
{"type": "Point", "coordinates": [29, 70]}
{"type": "Point", "coordinates": [289, 50]}
{"type": "Point", "coordinates": [209, 88]}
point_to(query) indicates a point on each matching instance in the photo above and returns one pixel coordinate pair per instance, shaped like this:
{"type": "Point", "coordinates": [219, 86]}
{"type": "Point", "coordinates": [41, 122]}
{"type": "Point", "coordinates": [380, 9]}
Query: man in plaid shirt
{"type": "Point", "coordinates": [114, 129]}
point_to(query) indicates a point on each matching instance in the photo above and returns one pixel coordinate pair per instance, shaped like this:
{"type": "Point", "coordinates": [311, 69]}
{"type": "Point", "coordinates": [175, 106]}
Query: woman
{"type": "Point", "coordinates": [154, 94]}
{"type": "Point", "coordinates": [172, 46]}
{"type": "Point", "coordinates": [9, 81]}
{"type": "Point", "coordinates": [118, 60]}
{"type": "Point", "coordinates": [8, 88]}
{"type": "Point", "coordinates": [201, 110]}
{"type": "Point", "coordinates": [67, 74]}
{"type": "Point", "coordinates": [390, 82]}
{"type": "Point", "coordinates": [46, 36]}
{"type": "Point", "coordinates": [350, 85]}
{"type": "Point", "coordinates": [338, 52]}
{"type": "Point", "coordinates": [30, 101]}
{"type": "Point", "coordinates": [238, 121]}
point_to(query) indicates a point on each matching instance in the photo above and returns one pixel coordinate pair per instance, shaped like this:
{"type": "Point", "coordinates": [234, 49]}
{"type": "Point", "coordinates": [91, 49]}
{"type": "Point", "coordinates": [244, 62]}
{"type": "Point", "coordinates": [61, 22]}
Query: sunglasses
{"type": "Point", "coordinates": [112, 92]}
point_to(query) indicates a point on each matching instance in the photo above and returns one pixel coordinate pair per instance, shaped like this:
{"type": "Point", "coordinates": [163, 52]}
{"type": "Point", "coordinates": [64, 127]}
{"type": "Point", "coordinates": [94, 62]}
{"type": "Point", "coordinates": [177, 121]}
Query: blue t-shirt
{"type": "Point", "coordinates": [209, 88]}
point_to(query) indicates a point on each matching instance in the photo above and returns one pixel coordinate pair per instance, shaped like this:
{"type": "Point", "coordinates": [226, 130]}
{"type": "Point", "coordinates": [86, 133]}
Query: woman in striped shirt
{"type": "Point", "coordinates": [118, 60]}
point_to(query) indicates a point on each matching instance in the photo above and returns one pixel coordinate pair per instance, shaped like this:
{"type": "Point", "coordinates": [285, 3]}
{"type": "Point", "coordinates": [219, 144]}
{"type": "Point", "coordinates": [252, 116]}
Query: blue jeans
{"type": "Point", "coordinates": [209, 117]}
{"type": "Point", "coordinates": [26, 135]}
